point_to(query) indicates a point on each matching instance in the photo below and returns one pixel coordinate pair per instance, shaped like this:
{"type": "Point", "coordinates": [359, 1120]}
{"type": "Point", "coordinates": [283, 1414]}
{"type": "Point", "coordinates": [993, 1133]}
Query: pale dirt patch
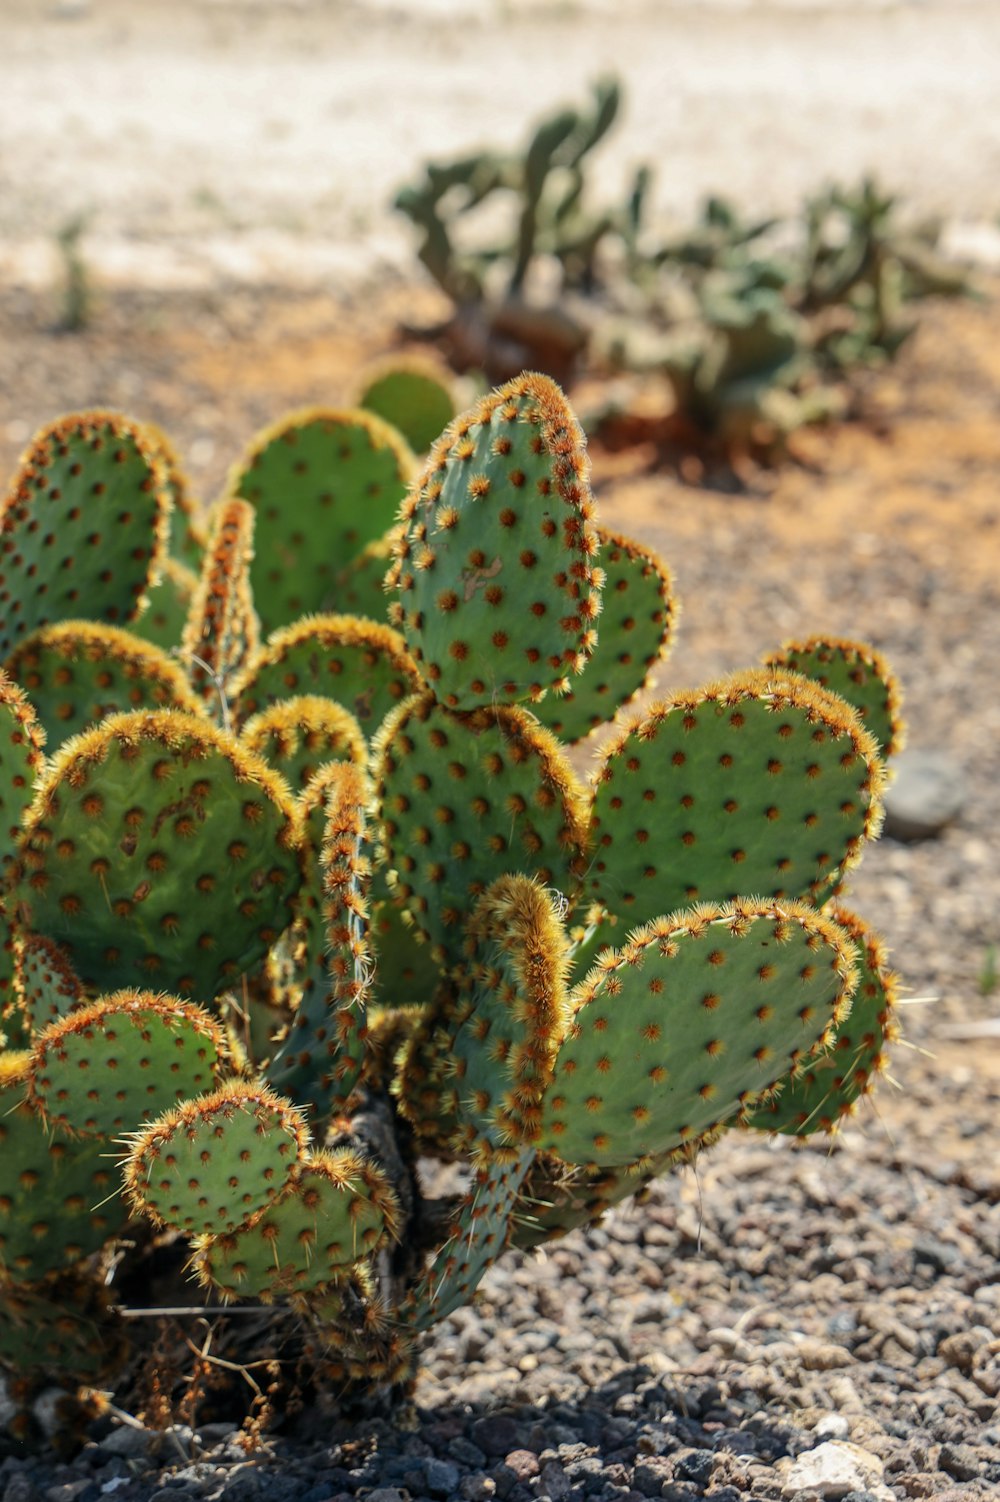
{"type": "Point", "coordinates": [257, 140]}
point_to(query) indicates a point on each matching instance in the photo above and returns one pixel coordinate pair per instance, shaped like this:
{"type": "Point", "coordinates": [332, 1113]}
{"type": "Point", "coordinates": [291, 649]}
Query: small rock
{"type": "Point", "coordinates": [20, 1488]}
{"type": "Point", "coordinates": [524, 1464]}
{"type": "Point", "coordinates": [925, 796]}
{"type": "Point", "coordinates": [832, 1426]}
{"type": "Point", "coordinates": [68, 1491]}
{"type": "Point", "coordinates": [214, 1434]}
{"type": "Point", "coordinates": [694, 1465]}
{"type": "Point", "coordinates": [477, 1488]}
{"type": "Point", "coordinates": [495, 1434]}
{"type": "Point", "coordinates": [465, 1452]}
{"type": "Point", "coordinates": [833, 1470]}
{"type": "Point", "coordinates": [916, 1484]}
{"type": "Point", "coordinates": [960, 1461]}
{"type": "Point", "coordinates": [960, 1349]}
{"type": "Point", "coordinates": [554, 1481]}
{"type": "Point", "coordinates": [441, 1477]}
{"type": "Point", "coordinates": [651, 1472]}
{"type": "Point", "coordinates": [387, 1494]}
{"type": "Point", "coordinates": [129, 1441]}
{"type": "Point", "coordinates": [822, 1355]}
{"type": "Point", "coordinates": [735, 1442]}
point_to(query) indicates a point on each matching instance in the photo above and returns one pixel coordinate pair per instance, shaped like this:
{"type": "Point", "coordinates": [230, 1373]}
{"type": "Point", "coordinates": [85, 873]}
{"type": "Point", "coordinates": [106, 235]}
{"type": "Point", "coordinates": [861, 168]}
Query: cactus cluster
{"type": "Point", "coordinates": [753, 322]}
{"type": "Point", "coordinates": [301, 902]}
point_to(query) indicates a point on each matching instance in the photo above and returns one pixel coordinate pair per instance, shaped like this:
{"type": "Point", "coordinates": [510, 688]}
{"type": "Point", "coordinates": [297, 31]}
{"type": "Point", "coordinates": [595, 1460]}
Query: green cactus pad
{"type": "Point", "coordinates": [413, 394]}
{"type": "Point", "coordinates": [158, 852]}
{"type": "Point", "coordinates": [45, 983]}
{"type": "Point", "coordinates": [15, 1025]}
{"type": "Point", "coordinates": [59, 1200]}
{"type": "Point", "coordinates": [84, 527]}
{"type": "Point", "coordinates": [338, 1211]}
{"type": "Point", "coordinates": [321, 1060]}
{"type": "Point", "coordinates": [64, 1328]}
{"type": "Point", "coordinates": [511, 1013]}
{"type": "Point", "coordinates": [168, 605]}
{"type": "Point", "coordinates": [213, 1164]}
{"type": "Point", "coordinates": [323, 484]}
{"type": "Point", "coordinates": [222, 631]}
{"type": "Point", "coordinates": [107, 1067]}
{"type": "Point", "coordinates": [858, 674]}
{"type": "Point", "coordinates": [465, 798]}
{"type": "Point", "coordinates": [363, 665]}
{"type": "Point", "coordinates": [360, 587]}
{"type": "Point", "coordinates": [696, 1019]}
{"type": "Point", "coordinates": [22, 754]}
{"type": "Point", "coordinates": [405, 970]}
{"type": "Point", "coordinates": [188, 534]}
{"type": "Point", "coordinates": [758, 785]}
{"type": "Point", "coordinates": [592, 930]}
{"type": "Point", "coordinates": [298, 965]}
{"type": "Point", "coordinates": [478, 1235]}
{"type": "Point", "coordinates": [635, 631]}
{"type": "Point", "coordinates": [300, 735]}
{"type": "Point", "coordinates": [79, 672]}
{"type": "Point", "coordinates": [829, 1086]}
{"type": "Point", "coordinates": [495, 561]}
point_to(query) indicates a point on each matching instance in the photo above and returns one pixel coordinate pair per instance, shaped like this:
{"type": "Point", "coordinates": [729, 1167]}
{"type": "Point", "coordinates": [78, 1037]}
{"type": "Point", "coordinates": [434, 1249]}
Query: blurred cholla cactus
{"type": "Point", "coordinates": [315, 900]}
{"type": "Point", "coordinates": [756, 322]}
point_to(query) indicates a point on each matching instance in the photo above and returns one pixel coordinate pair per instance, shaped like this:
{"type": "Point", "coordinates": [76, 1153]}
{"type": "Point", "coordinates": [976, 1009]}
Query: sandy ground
{"type": "Point", "coordinates": [263, 140]}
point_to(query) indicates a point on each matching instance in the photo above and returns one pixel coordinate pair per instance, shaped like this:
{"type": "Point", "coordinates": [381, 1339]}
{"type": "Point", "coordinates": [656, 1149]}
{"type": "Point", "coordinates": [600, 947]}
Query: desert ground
{"type": "Point", "coordinates": [236, 161]}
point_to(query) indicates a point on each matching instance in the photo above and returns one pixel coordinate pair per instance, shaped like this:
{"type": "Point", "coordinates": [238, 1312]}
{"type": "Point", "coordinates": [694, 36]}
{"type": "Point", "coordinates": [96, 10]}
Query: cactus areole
{"type": "Point", "coordinates": [295, 908]}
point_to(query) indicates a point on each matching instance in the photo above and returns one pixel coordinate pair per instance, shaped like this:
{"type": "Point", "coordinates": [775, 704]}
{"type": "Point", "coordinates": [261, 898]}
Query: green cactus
{"type": "Point", "coordinates": [323, 483]}
{"type": "Point", "coordinates": [62, 1201]}
{"type": "Point", "coordinates": [636, 629]}
{"type": "Point", "coordinates": [83, 528]}
{"type": "Point", "coordinates": [462, 799]}
{"type": "Point", "coordinates": [124, 1059]}
{"type": "Point", "coordinates": [168, 605]}
{"type": "Point", "coordinates": [180, 1167]}
{"type": "Point", "coordinates": [321, 1057]}
{"type": "Point", "coordinates": [495, 566]}
{"type": "Point", "coordinates": [338, 1211]}
{"type": "Point", "coordinates": [222, 632]}
{"type": "Point", "coordinates": [415, 395]}
{"type": "Point", "coordinates": [79, 672]}
{"type": "Point", "coordinates": [306, 911]}
{"type": "Point", "coordinates": [825, 1090]}
{"type": "Point", "coordinates": [145, 829]}
{"type": "Point", "coordinates": [718, 792]}
{"type": "Point", "coordinates": [859, 675]}
{"type": "Point", "coordinates": [301, 734]}
{"type": "Point", "coordinates": [46, 986]}
{"type": "Point", "coordinates": [361, 664]}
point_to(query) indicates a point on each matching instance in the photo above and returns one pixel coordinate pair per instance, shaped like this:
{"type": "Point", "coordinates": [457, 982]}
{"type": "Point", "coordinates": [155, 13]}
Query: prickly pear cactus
{"type": "Point", "coordinates": [290, 904]}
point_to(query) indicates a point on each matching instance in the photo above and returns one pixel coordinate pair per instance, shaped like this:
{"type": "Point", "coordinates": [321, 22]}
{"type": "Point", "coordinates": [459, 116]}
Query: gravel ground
{"type": "Point", "coordinates": [792, 1322]}
{"type": "Point", "coordinates": [789, 1321]}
